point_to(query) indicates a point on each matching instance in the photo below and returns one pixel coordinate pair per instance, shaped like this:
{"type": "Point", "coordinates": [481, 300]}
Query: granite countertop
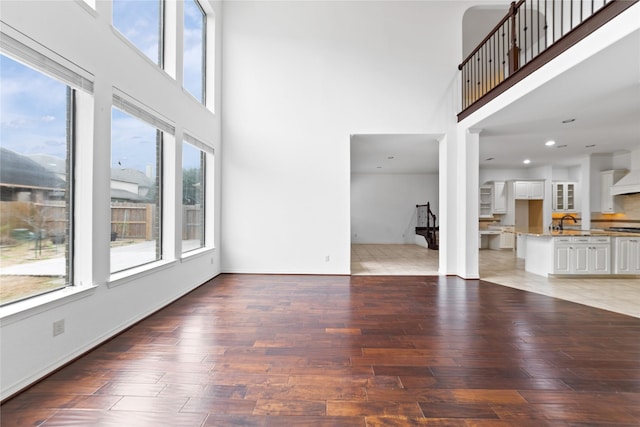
{"type": "Point", "coordinates": [562, 233]}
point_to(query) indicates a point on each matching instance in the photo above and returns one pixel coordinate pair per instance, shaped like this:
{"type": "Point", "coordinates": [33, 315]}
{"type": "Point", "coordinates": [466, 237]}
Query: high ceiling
{"type": "Point", "coordinates": [602, 94]}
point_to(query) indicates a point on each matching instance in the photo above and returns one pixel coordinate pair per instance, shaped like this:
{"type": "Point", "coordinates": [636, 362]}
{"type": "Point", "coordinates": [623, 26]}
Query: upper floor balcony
{"type": "Point", "coordinates": [531, 34]}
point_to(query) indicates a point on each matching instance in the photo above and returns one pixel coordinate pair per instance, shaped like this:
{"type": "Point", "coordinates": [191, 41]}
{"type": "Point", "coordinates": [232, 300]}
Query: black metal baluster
{"type": "Point", "coordinates": [561, 19]}
{"type": "Point", "coordinates": [570, 15]}
{"type": "Point", "coordinates": [546, 24]}
{"type": "Point", "coordinates": [553, 21]}
{"type": "Point", "coordinates": [538, 25]}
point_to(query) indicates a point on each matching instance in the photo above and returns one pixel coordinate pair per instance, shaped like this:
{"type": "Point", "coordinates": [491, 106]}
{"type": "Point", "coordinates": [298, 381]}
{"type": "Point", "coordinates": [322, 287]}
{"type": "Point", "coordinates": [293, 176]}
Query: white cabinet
{"type": "Point", "coordinates": [627, 255]}
{"type": "Point", "coordinates": [528, 190]}
{"type": "Point", "coordinates": [608, 202]}
{"type": "Point", "coordinates": [499, 197]}
{"type": "Point", "coordinates": [485, 202]}
{"type": "Point", "coordinates": [505, 240]}
{"type": "Point", "coordinates": [561, 259]}
{"type": "Point", "coordinates": [564, 197]}
{"type": "Point", "coordinates": [582, 255]}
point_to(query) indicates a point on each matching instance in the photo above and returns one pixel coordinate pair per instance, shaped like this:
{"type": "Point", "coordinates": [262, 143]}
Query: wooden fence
{"type": "Point", "coordinates": [49, 218]}
{"type": "Point", "coordinates": [128, 220]}
{"type": "Point", "coordinates": [191, 222]}
{"type": "Point", "coordinates": [133, 220]}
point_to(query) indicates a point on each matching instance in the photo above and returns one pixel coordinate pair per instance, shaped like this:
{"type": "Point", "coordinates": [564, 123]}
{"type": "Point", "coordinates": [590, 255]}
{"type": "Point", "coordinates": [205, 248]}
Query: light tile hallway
{"type": "Point", "coordinates": [621, 295]}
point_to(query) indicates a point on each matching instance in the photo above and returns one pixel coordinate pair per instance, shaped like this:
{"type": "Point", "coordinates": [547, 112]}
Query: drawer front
{"type": "Point", "coordinates": [600, 239]}
{"type": "Point", "coordinates": [580, 239]}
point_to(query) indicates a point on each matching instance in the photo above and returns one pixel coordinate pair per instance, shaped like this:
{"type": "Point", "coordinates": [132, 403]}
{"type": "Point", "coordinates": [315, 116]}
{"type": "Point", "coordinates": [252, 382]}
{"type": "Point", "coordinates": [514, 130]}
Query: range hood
{"type": "Point", "coordinates": [628, 184]}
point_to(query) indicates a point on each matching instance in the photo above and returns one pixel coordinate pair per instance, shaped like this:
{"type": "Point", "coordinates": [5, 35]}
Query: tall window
{"type": "Point", "coordinates": [194, 49]}
{"type": "Point", "coordinates": [193, 197]}
{"type": "Point", "coordinates": [140, 21]}
{"type": "Point", "coordinates": [136, 152]}
{"type": "Point", "coordinates": [35, 182]}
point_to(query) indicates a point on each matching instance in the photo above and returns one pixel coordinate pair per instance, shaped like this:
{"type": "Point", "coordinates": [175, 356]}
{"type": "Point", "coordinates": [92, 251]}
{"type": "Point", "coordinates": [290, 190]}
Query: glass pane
{"type": "Point", "coordinates": [139, 22]}
{"type": "Point", "coordinates": [135, 192]}
{"type": "Point", "coordinates": [194, 54]}
{"type": "Point", "coordinates": [193, 169]}
{"type": "Point", "coordinates": [34, 182]}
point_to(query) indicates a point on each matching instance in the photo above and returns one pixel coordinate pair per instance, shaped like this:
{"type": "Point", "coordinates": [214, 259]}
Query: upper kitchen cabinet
{"type": "Point", "coordinates": [485, 197]}
{"type": "Point", "coordinates": [498, 196]}
{"type": "Point", "coordinates": [564, 197]}
{"type": "Point", "coordinates": [528, 190]}
{"type": "Point", "coordinates": [610, 203]}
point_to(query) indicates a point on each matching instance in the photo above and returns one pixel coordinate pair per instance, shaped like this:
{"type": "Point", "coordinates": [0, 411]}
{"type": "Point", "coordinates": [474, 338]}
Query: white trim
{"type": "Point", "coordinates": [134, 273]}
{"type": "Point", "coordinates": [32, 306]}
{"type": "Point", "coordinates": [187, 137]}
{"type": "Point", "coordinates": [124, 102]}
{"type": "Point", "coordinates": [24, 49]}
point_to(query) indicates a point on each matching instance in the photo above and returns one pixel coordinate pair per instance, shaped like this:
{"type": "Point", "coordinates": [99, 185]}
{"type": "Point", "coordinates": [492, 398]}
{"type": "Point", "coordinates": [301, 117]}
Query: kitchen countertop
{"type": "Point", "coordinates": [562, 233]}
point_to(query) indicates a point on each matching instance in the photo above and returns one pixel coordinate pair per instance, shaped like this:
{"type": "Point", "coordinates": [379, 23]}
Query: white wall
{"type": "Point", "coordinates": [105, 306]}
{"type": "Point", "coordinates": [299, 78]}
{"type": "Point", "coordinates": [383, 206]}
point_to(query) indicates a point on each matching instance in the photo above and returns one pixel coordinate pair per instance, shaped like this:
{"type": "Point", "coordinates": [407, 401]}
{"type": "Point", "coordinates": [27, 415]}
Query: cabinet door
{"type": "Point", "coordinates": [623, 255]}
{"type": "Point", "coordinates": [570, 196]}
{"type": "Point", "coordinates": [506, 240]}
{"type": "Point", "coordinates": [580, 259]}
{"type": "Point", "coordinates": [600, 259]}
{"type": "Point", "coordinates": [521, 190]}
{"type": "Point", "coordinates": [558, 197]}
{"type": "Point", "coordinates": [562, 259]}
{"type": "Point", "coordinates": [627, 256]}
{"type": "Point", "coordinates": [634, 256]}
{"type": "Point", "coordinates": [536, 190]}
{"type": "Point", "coordinates": [499, 197]}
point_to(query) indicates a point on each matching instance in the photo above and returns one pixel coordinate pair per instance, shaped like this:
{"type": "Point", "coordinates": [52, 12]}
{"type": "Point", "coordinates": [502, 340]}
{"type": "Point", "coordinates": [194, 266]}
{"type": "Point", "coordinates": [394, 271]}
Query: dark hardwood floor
{"type": "Point", "coordinates": [254, 350]}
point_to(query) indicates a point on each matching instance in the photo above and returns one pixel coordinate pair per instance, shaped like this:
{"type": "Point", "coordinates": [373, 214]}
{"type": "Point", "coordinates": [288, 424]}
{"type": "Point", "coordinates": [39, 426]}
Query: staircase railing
{"type": "Point", "coordinates": [426, 225]}
{"type": "Point", "coordinates": [529, 29]}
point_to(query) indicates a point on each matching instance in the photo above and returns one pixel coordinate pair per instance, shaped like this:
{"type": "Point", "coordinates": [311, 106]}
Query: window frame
{"type": "Point", "coordinates": [126, 104]}
{"type": "Point", "coordinates": [159, 61]}
{"type": "Point", "coordinates": [15, 50]}
{"type": "Point", "coordinates": [203, 196]}
{"type": "Point", "coordinates": [203, 65]}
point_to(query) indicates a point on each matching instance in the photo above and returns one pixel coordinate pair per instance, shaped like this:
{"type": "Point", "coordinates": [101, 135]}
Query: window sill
{"type": "Point", "coordinates": [131, 274]}
{"type": "Point", "coordinates": [186, 256]}
{"type": "Point", "coordinates": [17, 311]}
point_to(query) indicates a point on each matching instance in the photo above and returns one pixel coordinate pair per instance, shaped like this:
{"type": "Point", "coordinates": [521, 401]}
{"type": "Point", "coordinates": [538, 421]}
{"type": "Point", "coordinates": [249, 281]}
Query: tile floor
{"type": "Point", "coordinates": [620, 295]}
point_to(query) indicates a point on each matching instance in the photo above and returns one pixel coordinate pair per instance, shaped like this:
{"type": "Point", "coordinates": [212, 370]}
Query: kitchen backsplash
{"type": "Point", "coordinates": [630, 217]}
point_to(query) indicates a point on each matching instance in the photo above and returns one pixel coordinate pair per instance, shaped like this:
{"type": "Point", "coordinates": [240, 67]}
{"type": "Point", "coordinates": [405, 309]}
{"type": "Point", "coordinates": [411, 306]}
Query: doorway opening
{"type": "Point", "coordinates": [391, 175]}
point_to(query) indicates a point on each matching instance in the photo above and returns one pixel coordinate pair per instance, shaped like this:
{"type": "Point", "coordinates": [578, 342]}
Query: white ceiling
{"type": "Point", "coordinates": [394, 154]}
{"type": "Point", "coordinates": [602, 94]}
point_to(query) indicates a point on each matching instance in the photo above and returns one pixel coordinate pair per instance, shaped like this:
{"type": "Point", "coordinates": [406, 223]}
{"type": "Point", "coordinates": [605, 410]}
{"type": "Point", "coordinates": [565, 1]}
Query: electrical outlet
{"type": "Point", "coordinates": [58, 327]}
{"type": "Point", "coordinates": [327, 258]}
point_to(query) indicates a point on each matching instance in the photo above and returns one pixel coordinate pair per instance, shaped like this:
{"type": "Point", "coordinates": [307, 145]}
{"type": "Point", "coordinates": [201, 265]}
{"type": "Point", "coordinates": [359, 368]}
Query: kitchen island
{"type": "Point", "coordinates": [580, 252]}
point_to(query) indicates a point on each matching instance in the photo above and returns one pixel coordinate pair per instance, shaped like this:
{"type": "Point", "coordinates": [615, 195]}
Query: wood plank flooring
{"type": "Point", "coordinates": [268, 350]}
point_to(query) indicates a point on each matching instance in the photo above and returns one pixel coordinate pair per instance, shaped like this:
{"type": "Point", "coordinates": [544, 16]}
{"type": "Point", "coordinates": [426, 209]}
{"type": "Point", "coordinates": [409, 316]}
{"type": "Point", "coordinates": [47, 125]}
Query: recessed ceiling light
{"type": "Point", "coordinates": [561, 146]}
{"type": "Point", "coordinates": [590, 146]}
{"type": "Point", "coordinates": [526, 161]}
{"type": "Point", "coordinates": [378, 167]}
{"type": "Point", "coordinates": [488, 159]}
{"type": "Point", "coordinates": [550, 143]}
{"type": "Point", "coordinates": [390, 157]}
{"type": "Point", "coordinates": [569, 121]}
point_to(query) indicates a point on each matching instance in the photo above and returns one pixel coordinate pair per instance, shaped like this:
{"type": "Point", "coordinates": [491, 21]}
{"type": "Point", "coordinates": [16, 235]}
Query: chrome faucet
{"type": "Point", "coordinates": [566, 217]}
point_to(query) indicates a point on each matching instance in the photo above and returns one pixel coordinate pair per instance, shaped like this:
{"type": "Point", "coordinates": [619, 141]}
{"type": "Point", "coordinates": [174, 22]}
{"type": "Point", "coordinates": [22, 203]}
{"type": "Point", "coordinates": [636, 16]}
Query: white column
{"type": "Point", "coordinates": [447, 204]}
{"type": "Point", "coordinates": [468, 142]}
